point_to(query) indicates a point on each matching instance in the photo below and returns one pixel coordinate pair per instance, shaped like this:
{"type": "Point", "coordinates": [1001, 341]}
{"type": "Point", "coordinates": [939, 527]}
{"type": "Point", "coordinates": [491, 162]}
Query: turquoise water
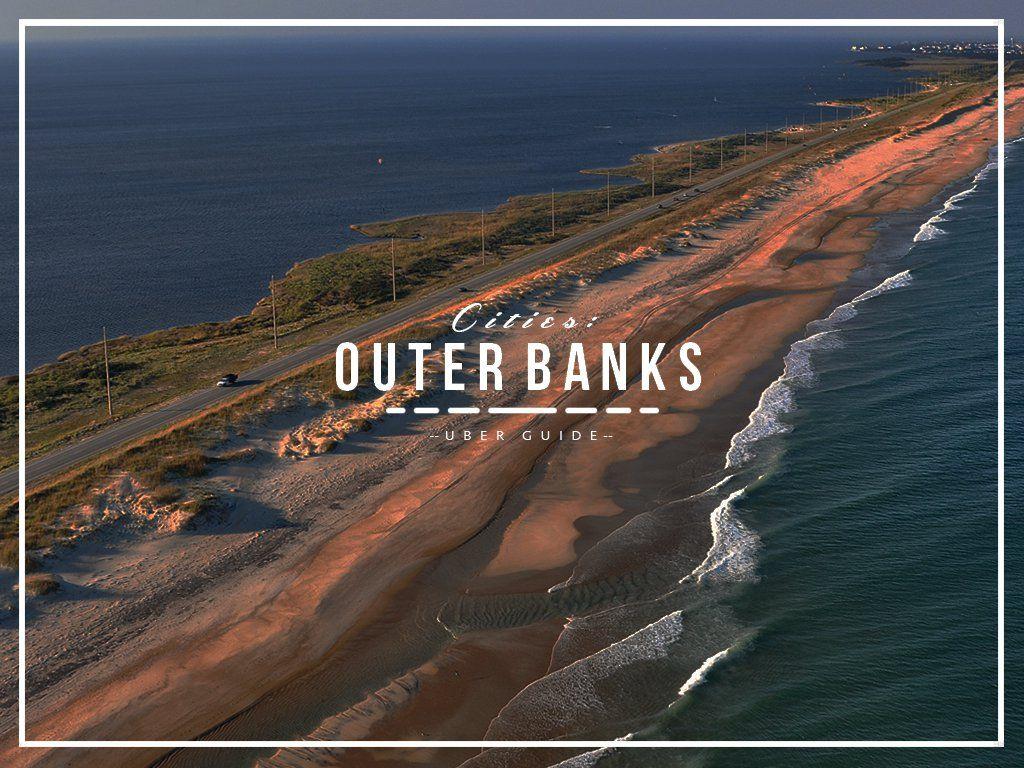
{"type": "Point", "coordinates": [870, 479]}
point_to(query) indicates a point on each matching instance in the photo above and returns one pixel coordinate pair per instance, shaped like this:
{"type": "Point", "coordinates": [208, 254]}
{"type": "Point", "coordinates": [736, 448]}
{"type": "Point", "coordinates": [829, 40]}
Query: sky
{"type": "Point", "coordinates": [12, 10]}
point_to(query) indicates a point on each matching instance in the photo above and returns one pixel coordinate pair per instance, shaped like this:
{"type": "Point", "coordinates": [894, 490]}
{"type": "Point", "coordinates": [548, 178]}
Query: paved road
{"type": "Point", "coordinates": [131, 429]}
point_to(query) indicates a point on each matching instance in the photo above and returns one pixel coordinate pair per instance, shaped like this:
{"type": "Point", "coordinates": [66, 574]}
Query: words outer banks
{"type": "Point", "coordinates": [539, 375]}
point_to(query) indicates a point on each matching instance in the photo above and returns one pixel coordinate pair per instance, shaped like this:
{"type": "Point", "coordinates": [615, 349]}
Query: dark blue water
{"type": "Point", "coordinates": [875, 615]}
{"type": "Point", "coordinates": [169, 179]}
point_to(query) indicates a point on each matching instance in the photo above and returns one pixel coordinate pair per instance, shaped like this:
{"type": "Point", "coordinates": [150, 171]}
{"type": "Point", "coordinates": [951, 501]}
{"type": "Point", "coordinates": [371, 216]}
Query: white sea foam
{"type": "Point", "coordinates": [586, 760]}
{"type": "Point", "coordinates": [700, 674]}
{"type": "Point", "coordinates": [779, 398]}
{"type": "Point", "coordinates": [991, 165]}
{"type": "Point", "coordinates": [733, 553]}
{"type": "Point", "coordinates": [715, 487]}
{"type": "Point", "coordinates": [568, 695]}
{"type": "Point", "coordinates": [899, 280]}
{"type": "Point", "coordinates": [645, 644]}
{"type": "Point", "coordinates": [930, 229]}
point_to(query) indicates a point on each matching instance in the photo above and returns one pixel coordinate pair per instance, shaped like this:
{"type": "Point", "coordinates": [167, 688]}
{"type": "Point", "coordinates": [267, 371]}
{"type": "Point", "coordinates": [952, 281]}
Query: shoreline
{"type": "Point", "coordinates": [421, 533]}
{"type": "Point", "coordinates": [141, 353]}
{"type": "Point", "coordinates": [50, 499]}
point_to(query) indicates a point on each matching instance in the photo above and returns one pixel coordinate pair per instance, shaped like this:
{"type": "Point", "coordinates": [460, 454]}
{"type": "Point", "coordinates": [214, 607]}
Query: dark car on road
{"type": "Point", "coordinates": [228, 380]}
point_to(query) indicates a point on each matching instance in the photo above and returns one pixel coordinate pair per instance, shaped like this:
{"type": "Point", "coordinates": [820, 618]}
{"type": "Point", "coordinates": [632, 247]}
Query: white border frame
{"type": "Point", "coordinates": [998, 24]}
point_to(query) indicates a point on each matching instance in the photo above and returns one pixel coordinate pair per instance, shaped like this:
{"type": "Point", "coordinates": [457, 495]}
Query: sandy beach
{"type": "Point", "coordinates": [410, 586]}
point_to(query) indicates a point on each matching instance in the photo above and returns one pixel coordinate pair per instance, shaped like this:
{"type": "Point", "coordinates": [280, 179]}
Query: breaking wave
{"type": "Point", "coordinates": [733, 553]}
{"type": "Point", "coordinates": [700, 674]}
{"type": "Point", "coordinates": [586, 760]}
{"type": "Point", "coordinates": [779, 398]}
{"type": "Point", "coordinates": [930, 229]}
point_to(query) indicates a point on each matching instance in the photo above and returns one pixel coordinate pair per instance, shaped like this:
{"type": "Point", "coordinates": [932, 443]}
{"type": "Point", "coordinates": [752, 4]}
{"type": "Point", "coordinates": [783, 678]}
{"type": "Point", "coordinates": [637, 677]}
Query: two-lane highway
{"type": "Point", "coordinates": [133, 428]}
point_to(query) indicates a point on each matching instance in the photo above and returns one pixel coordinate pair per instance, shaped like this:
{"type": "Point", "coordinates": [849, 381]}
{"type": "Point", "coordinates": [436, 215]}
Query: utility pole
{"type": "Point", "coordinates": [652, 177]}
{"type": "Point", "coordinates": [273, 309]}
{"type": "Point", "coordinates": [106, 367]}
{"type": "Point", "coordinates": [786, 133]}
{"type": "Point", "coordinates": [766, 138]}
{"type": "Point", "coordinates": [483, 249]}
{"type": "Point", "coordinates": [394, 279]}
{"type": "Point", "coordinates": [691, 164]}
{"type": "Point", "coordinates": [552, 212]}
{"type": "Point", "coordinates": [608, 191]}
{"type": "Point", "coordinates": [721, 152]}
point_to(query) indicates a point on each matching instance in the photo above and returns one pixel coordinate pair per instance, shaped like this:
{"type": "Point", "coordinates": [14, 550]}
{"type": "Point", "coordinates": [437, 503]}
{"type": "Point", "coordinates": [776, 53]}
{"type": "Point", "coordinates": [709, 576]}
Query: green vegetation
{"type": "Point", "coordinates": [324, 295]}
{"type": "Point", "coordinates": [67, 398]}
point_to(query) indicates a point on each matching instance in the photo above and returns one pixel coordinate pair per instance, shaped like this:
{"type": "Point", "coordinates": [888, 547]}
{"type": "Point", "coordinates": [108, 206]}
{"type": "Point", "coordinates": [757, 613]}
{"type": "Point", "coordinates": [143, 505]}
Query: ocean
{"type": "Point", "coordinates": [866, 482]}
{"type": "Point", "coordinates": [169, 179]}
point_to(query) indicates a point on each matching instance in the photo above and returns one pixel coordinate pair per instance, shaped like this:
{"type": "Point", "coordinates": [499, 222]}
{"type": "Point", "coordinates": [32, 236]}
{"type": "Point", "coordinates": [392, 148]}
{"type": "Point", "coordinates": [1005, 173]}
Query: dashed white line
{"type": "Point", "coordinates": [573, 410]}
{"type": "Point", "coordinates": [520, 409]}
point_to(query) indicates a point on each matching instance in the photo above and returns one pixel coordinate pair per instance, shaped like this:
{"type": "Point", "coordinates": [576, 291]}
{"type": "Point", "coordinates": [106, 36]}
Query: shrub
{"type": "Point", "coordinates": [191, 463]}
{"type": "Point", "coordinates": [9, 553]}
{"type": "Point", "coordinates": [41, 584]}
{"type": "Point", "coordinates": [164, 494]}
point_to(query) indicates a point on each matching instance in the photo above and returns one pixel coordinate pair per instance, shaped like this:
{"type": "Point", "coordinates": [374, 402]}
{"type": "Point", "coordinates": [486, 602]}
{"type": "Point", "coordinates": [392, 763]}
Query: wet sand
{"type": "Point", "coordinates": [348, 640]}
